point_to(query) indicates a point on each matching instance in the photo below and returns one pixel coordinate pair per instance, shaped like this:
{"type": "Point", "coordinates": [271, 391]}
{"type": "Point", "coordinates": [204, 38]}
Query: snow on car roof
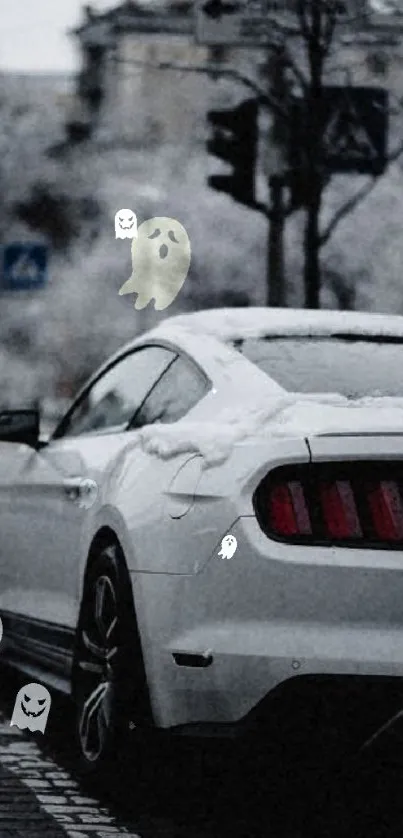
{"type": "Point", "coordinates": [285, 414]}
{"type": "Point", "coordinates": [242, 323]}
{"type": "Point", "coordinates": [291, 415]}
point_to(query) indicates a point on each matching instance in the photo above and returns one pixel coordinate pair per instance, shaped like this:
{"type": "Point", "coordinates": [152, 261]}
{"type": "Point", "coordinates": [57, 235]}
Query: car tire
{"type": "Point", "coordinates": [109, 684]}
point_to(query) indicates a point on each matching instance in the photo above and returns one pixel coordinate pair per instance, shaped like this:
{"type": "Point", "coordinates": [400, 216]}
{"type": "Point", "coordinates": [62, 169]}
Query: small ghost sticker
{"type": "Point", "coordinates": [125, 224]}
{"type": "Point", "coordinates": [31, 708]}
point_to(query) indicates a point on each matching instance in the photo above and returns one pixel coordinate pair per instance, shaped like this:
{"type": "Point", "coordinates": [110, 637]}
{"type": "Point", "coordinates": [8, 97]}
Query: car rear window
{"type": "Point", "coordinates": [354, 367]}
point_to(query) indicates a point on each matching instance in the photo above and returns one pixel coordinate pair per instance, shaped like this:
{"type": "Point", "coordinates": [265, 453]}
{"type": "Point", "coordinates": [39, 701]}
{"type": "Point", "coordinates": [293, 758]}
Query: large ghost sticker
{"type": "Point", "coordinates": [160, 262]}
{"type": "Point", "coordinates": [31, 708]}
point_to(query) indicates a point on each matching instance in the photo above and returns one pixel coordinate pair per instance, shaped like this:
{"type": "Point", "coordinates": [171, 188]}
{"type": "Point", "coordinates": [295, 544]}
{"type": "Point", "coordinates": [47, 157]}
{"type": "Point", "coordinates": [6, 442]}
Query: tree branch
{"type": "Point", "coordinates": [303, 20]}
{"type": "Point", "coordinates": [226, 72]}
{"type": "Point", "coordinates": [329, 25]}
{"type": "Point", "coordinates": [346, 209]}
{"type": "Point", "coordinates": [259, 207]}
{"type": "Point", "coordinates": [284, 34]}
{"type": "Point", "coordinates": [355, 199]}
{"type": "Point", "coordinates": [293, 66]}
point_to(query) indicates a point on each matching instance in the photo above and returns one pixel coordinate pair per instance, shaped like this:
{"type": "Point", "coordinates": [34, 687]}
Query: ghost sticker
{"type": "Point", "coordinates": [31, 708]}
{"type": "Point", "coordinates": [160, 262]}
{"type": "Point", "coordinates": [228, 547]}
{"type": "Point", "coordinates": [125, 224]}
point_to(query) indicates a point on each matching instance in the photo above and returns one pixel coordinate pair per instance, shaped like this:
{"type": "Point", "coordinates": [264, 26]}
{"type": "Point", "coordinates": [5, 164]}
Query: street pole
{"type": "Point", "coordinates": [276, 297]}
{"type": "Point", "coordinates": [275, 257]}
{"type": "Point", "coordinates": [312, 271]}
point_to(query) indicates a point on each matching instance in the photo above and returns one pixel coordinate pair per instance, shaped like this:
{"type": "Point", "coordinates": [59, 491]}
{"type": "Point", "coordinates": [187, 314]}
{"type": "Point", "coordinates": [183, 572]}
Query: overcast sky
{"type": "Point", "coordinates": [33, 34]}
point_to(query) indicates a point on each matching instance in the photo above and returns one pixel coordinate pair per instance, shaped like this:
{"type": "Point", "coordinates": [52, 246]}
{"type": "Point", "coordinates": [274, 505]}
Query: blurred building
{"type": "Point", "coordinates": [121, 92]}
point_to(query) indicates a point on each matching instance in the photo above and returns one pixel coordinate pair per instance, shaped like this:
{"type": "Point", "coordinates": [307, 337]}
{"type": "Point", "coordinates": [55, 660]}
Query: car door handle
{"type": "Point", "coordinates": [81, 490]}
{"type": "Point", "coordinates": [72, 487]}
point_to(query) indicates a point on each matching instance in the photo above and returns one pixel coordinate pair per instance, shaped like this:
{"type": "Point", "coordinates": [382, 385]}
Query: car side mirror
{"type": "Point", "coordinates": [20, 426]}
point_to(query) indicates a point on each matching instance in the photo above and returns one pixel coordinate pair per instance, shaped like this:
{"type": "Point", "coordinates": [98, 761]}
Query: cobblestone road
{"type": "Point", "coordinates": [41, 794]}
{"type": "Point", "coordinates": [38, 798]}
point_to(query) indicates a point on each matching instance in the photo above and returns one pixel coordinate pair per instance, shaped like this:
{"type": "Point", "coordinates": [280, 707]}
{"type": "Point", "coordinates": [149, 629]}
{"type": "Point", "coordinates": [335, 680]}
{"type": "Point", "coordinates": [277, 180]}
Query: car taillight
{"type": "Point", "coordinates": [385, 504]}
{"type": "Point", "coordinates": [339, 509]}
{"type": "Point", "coordinates": [350, 504]}
{"type": "Point", "coordinates": [287, 508]}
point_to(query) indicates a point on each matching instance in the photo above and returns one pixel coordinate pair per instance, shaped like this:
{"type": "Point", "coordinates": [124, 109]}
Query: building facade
{"type": "Point", "coordinates": [122, 90]}
{"type": "Point", "coordinates": [133, 87]}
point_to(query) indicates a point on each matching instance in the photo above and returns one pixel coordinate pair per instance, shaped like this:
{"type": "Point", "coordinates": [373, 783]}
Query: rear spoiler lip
{"type": "Point", "coordinates": [353, 433]}
{"type": "Point", "coordinates": [355, 443]}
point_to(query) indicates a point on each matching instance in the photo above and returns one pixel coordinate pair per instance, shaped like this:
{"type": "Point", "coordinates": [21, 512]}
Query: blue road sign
{"type": "Point", "coordinates": [24, 266]}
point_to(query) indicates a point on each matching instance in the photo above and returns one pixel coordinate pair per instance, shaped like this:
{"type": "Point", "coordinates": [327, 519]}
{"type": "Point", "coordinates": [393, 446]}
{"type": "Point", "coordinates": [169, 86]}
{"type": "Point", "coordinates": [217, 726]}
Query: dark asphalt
{"type": "Point", "coordinates": [190, 790]}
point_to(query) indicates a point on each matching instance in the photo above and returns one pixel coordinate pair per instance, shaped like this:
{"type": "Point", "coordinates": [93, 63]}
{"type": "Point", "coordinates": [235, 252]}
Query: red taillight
{"type": "Point", "coordinates": [339, 510]}
{"type": "Point", "coordinates": [288, 512]}
{"type": "Point", "coordinates": [385, 505]}
{"type": "Point", "coordinates": [350, 504]}
{"type": "Point", "coordinates": [300, 507]}
{"type": "Point", "coordinates": [281, 511]}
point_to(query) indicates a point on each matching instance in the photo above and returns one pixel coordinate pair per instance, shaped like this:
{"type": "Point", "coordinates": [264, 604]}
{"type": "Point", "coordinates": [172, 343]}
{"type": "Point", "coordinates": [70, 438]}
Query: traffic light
{"type": "Point", "coordinates": [216, 9]}
{"type": "Point", "coordinates": [235, 141]}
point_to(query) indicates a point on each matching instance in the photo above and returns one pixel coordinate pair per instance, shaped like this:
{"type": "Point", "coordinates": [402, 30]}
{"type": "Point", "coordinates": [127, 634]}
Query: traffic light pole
{"type": "Point", "coordinates": [276, 295]}
{"type": "Point", "coordinates": [234, 140]}
{"type": "Point", "coordinates": [275, 254]}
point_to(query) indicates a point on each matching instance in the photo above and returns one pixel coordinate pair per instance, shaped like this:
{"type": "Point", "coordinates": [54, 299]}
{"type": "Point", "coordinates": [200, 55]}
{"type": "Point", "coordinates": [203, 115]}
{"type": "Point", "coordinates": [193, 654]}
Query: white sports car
{"type": "Point", "coordinates": [280, 428]}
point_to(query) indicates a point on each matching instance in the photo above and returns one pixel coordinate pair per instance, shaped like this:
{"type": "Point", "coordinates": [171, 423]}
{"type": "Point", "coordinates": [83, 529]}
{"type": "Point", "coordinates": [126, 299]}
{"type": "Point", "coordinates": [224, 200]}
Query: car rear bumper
{"type": "Point", "coordinates": [271, 614]}
{"type": "Point", "coordinates": [316, 714]}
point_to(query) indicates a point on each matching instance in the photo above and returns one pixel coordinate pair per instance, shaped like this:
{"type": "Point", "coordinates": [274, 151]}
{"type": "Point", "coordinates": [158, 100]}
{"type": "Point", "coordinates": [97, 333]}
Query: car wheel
{"type": "Point", "coordinates": [108, 674]}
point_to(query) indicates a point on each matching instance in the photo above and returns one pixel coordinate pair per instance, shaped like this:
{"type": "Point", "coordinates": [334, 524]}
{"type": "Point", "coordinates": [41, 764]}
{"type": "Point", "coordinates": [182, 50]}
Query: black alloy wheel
{"type": "Point", "coordinates": [108, 674]}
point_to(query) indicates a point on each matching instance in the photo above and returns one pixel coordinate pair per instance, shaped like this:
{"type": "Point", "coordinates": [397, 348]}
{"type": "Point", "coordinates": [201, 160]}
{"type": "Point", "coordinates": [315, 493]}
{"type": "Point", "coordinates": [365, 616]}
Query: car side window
{"type": "Point", "coordinates": [113, 399]}
{"type": "Point", "coordinates": [176, 392]}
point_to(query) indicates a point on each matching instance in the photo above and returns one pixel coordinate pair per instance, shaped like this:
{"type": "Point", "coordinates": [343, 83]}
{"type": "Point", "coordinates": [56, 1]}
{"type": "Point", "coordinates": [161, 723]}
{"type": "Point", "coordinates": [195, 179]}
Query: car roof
{"type": "Point", "coordinates": [228, 324]}
{"type": "Point", "coordinates": [205, 333]}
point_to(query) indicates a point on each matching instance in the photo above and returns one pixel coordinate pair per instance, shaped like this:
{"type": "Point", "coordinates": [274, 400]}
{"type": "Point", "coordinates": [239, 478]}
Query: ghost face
{"type": "Point", "coordinates": [230, 543]}
{"type": "Point", "coordinates": [125, 224]}
{"type": "Point", "coordinates": [31, 708]}
{"type": "Point", "coordinates": [228, 547]}
{"type": "Point", "coordinates": [160, 259]}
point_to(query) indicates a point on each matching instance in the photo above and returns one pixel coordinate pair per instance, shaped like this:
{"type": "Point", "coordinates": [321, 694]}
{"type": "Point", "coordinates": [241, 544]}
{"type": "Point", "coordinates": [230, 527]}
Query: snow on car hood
{"type": "Point", "coordinates": [290, 415]}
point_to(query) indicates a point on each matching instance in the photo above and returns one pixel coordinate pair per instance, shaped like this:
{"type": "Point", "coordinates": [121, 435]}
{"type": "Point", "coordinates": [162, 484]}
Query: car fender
{"type": "Point", "coordinates": [108, 517]}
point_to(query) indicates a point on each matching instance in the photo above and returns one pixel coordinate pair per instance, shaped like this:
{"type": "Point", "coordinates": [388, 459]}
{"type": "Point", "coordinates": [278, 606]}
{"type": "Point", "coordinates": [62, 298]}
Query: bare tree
{"type": "Point", "coordinates": [303, 55]}
{"type": "Point", "coordinates": [317, 22]}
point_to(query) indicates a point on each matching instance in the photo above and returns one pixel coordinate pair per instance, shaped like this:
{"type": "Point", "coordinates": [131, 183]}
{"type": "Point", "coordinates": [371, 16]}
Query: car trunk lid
{"type": "Point", "coordinates": [356, 445]}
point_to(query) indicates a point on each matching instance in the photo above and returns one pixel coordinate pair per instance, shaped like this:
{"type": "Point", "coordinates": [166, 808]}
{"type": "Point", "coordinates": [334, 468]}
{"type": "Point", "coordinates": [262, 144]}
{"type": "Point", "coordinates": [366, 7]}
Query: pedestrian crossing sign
{"type": "Point", "coordinates": [24, 266]}
{"type": "Point", "coordinates": [355, 125]}
{"type": "Point", "coordinates": [352, 123]}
